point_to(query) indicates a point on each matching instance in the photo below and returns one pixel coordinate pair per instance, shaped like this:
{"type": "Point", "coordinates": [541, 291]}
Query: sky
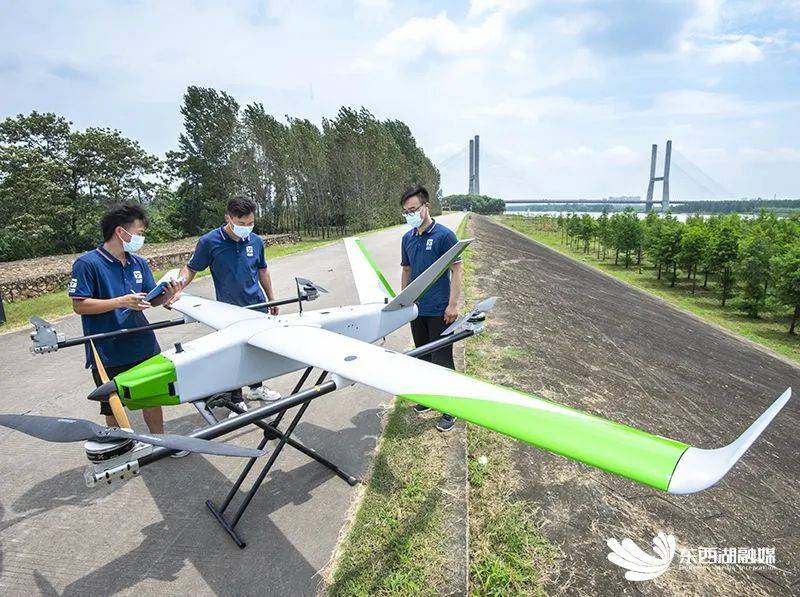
{"type": "Point", "coordinates": [567, 96]}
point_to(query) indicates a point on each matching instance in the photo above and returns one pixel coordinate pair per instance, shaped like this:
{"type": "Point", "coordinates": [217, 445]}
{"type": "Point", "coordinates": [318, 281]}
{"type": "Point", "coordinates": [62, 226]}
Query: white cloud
{"type": "Point", "coordinates": [438, 34]}
{"type": "Point", "coordinates": [481, 7]}
{"type": "Point", "coordinates": [692, 102]}
{"type": "Point", "coordinates": [770, 155]}
{"type": "Point", "coordinates": [742, 50]}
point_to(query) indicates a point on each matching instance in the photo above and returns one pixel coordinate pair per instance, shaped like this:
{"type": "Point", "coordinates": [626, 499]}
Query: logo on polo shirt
{"type": "Point", "coordinates": [137, 275]}
{"type": "Point", "coordinates": [73, 285]}
{"type": "Point", "coordinates": [429, 244]}
{"type": "Point", "coordinates": [249, 250]}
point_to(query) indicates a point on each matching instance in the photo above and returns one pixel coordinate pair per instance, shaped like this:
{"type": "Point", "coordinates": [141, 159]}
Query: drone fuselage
{"type": "Point", "coordinates": [223, 360]}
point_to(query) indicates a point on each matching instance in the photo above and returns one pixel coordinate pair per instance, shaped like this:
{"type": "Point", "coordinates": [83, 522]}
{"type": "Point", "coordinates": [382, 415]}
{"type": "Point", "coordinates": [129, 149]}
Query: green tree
{"type": "Point", "coordinates": [204, 161]}
{"type": "Point", "coordinates": [55, 183]}
{"type": "Point", "coordinates": [586, 231]}
{"type": "Point", "coordinates": [694, 241]}
{"type": "Point", "coordinates": [723, 253]}
{"type": "Point", "coordinates": [669, 243]}
{"type": "Point", "coordinates": [786, 287]}
{"type": "Point", "coordinates": [628, 234]}
{"type": "Point", "coordinates": [602, 233]}
{"type": "Point", "coordinates": [753, 268]}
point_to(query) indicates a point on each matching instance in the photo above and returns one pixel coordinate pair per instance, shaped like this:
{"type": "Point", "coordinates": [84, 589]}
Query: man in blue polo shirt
{"type": "Point", "coordinates": [107, 289]}
{"type": "Point", "coordinates": [438, 307]}
{"type": "Point", "coordinates": [238, 268]}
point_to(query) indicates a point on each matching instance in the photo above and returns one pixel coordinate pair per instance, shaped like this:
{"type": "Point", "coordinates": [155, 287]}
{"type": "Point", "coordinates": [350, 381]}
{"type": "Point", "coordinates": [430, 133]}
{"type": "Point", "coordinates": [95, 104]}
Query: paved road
{"type": "Point", "coordinates": [154, 535]}
{"type": "Point", "coordinates": [594, 343]}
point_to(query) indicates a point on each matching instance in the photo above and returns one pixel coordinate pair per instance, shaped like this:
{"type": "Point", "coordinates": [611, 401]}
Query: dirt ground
{"type": "Point", "coordinates": [591, 342]}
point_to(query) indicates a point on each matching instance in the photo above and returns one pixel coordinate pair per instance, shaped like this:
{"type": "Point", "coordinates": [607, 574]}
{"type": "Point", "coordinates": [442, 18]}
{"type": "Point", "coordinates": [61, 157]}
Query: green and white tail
{"type": "Point", "coordinates": [371, 284]}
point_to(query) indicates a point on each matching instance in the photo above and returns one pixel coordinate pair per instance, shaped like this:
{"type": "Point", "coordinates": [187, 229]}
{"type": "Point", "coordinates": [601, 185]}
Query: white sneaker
{"type": "Point", "coordinates": [263, 393]}
{"type": "Point", "coordinates": [241, 405]}
{"type": "Point", "coordinates": [180, 454]}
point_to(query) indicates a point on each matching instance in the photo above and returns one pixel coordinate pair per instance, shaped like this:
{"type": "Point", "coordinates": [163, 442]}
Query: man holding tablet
{"type": "Point", "coordinates": [108, 289]}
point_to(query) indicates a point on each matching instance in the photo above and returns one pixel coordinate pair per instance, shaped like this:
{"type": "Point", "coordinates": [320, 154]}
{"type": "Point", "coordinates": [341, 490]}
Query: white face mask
{"type": "Point", "coordinates": [414, 220]}
{"type": "Point", "coordinates": [134, 244]}
{"type": "Point", "coordinates": [241, 231]}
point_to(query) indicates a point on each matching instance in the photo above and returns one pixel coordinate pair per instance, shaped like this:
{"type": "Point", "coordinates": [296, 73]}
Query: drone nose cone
{"type": "Point", "coordinates": [102, 392]}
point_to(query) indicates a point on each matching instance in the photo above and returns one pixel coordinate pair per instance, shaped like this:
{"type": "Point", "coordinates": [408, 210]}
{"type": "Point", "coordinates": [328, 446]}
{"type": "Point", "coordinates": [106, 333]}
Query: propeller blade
{"type": "Point", "coordinates": [484, 306]}
{"type": "Point", "coordinates": [455, 325]}
{"type": "Point", "coordinates": [65, 429]}
{"type": "Point", "coordinates": [182, 442]}
{"type": "Point", "coordinates": [52, 429]}
{"type": "Point", "coordinates": [307, 282]}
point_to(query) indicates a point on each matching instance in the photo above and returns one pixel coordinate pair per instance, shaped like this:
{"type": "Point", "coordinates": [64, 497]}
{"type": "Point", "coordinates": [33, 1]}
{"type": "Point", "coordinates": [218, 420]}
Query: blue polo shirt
{"type": "Point", "coordinates": [420, 251]}
{"type": "Point", "coordinates": [234, 266]}
{"type": "Point", "coordinates": [98, 274]}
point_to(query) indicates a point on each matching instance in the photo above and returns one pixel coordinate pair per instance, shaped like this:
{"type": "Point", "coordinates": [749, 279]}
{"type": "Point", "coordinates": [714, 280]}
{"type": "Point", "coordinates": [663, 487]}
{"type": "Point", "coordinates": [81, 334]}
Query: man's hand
{"type": "Point", "coordinates": [174, 298]}
{"type": "Point", "coordinates": [133, 301]}
{"type": "Point", "coordinates": [173, 287]}
{"type": "Point", "coordinates": [274, 310]}
{"type": "Point", "coordinates": [172, 292]}
{"type": "Point", "coordinates": [450, 314]}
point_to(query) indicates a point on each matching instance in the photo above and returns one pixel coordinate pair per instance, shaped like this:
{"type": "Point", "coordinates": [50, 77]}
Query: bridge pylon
{"type": "Point", "coordinates": [474, 166]}
{"type": "Point", "coordinates": [664, 179]}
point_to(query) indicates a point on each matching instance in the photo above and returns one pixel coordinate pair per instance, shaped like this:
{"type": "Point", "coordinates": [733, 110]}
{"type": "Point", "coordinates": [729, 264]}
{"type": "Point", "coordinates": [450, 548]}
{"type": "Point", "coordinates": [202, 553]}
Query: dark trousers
{"type": "Point", "coordinates": [236, 395]}
{"type": "Point", "coordinates": [428, 329]}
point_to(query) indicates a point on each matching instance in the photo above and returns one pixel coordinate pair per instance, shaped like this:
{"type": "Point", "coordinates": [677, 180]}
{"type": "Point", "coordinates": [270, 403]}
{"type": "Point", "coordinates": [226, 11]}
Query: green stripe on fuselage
{"type": "Point", "coordinates": [617, 448]}
{"type": "Point", "coordinates": [378, 272]}
{"type": "Point", "coordinates": [150, 383]}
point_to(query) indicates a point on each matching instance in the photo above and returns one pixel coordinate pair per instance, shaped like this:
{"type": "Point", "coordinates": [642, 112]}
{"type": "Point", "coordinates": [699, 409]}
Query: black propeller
{"type": "Point", "coordinates": [482, 307]}
{"type": "Point", "coordinates": [306, 283]}
{"type": "Point", "coordinates": [64, 429]}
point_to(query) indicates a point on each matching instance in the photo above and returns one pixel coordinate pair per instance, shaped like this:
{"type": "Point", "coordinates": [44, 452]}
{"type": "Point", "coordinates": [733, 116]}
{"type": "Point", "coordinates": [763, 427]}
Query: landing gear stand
{"type": "Point", "coordinates": [270, 432]}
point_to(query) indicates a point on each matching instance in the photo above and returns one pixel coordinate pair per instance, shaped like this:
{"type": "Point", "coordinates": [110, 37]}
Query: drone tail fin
{"type": "Point", "coordinates": [421, 283]}
{"type": "Point", "coordinates": [371, 284]}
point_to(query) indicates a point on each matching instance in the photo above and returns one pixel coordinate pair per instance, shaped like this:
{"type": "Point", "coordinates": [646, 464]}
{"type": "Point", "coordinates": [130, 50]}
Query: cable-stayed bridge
{"type": "Point", "coordinates": [695, 183]}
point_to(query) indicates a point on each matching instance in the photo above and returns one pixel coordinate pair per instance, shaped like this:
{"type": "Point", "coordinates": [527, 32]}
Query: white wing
{"type": "Point", "coordinates": [617, 448]}
{"type": "Point", "coordinates": [212, 313]}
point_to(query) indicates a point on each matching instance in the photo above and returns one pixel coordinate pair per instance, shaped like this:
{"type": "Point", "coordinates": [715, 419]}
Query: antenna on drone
{"type": "Point", "coordinates": [654, 178]}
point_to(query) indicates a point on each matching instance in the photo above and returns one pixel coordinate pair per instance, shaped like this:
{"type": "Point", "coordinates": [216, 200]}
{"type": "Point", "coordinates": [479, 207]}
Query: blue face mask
{"type": "Point", "coordinates": [241, 231]}
{"type": "Point", "coordinates": [134, 244]}
{"type": "Point", "coordinates": [414, 220]}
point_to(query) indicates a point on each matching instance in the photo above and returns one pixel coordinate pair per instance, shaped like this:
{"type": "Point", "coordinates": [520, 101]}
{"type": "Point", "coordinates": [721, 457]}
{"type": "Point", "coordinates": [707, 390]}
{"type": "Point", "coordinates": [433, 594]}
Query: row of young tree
{"type": "Point", "coordinates": [756, 259]}
{"type": "Point", "coordinates": [481, 204]}
{"type": "Point", "coordinates": [343, 177]}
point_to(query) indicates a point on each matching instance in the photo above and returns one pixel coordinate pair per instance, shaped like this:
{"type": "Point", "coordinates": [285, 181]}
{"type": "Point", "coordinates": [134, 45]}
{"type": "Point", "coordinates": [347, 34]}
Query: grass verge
{"type": "Point", "coordinates": [395, 544]}
{"type": "Point", "coordinates": [508, 555]}
{"type": "Point", "coordinates": [769, 330]}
